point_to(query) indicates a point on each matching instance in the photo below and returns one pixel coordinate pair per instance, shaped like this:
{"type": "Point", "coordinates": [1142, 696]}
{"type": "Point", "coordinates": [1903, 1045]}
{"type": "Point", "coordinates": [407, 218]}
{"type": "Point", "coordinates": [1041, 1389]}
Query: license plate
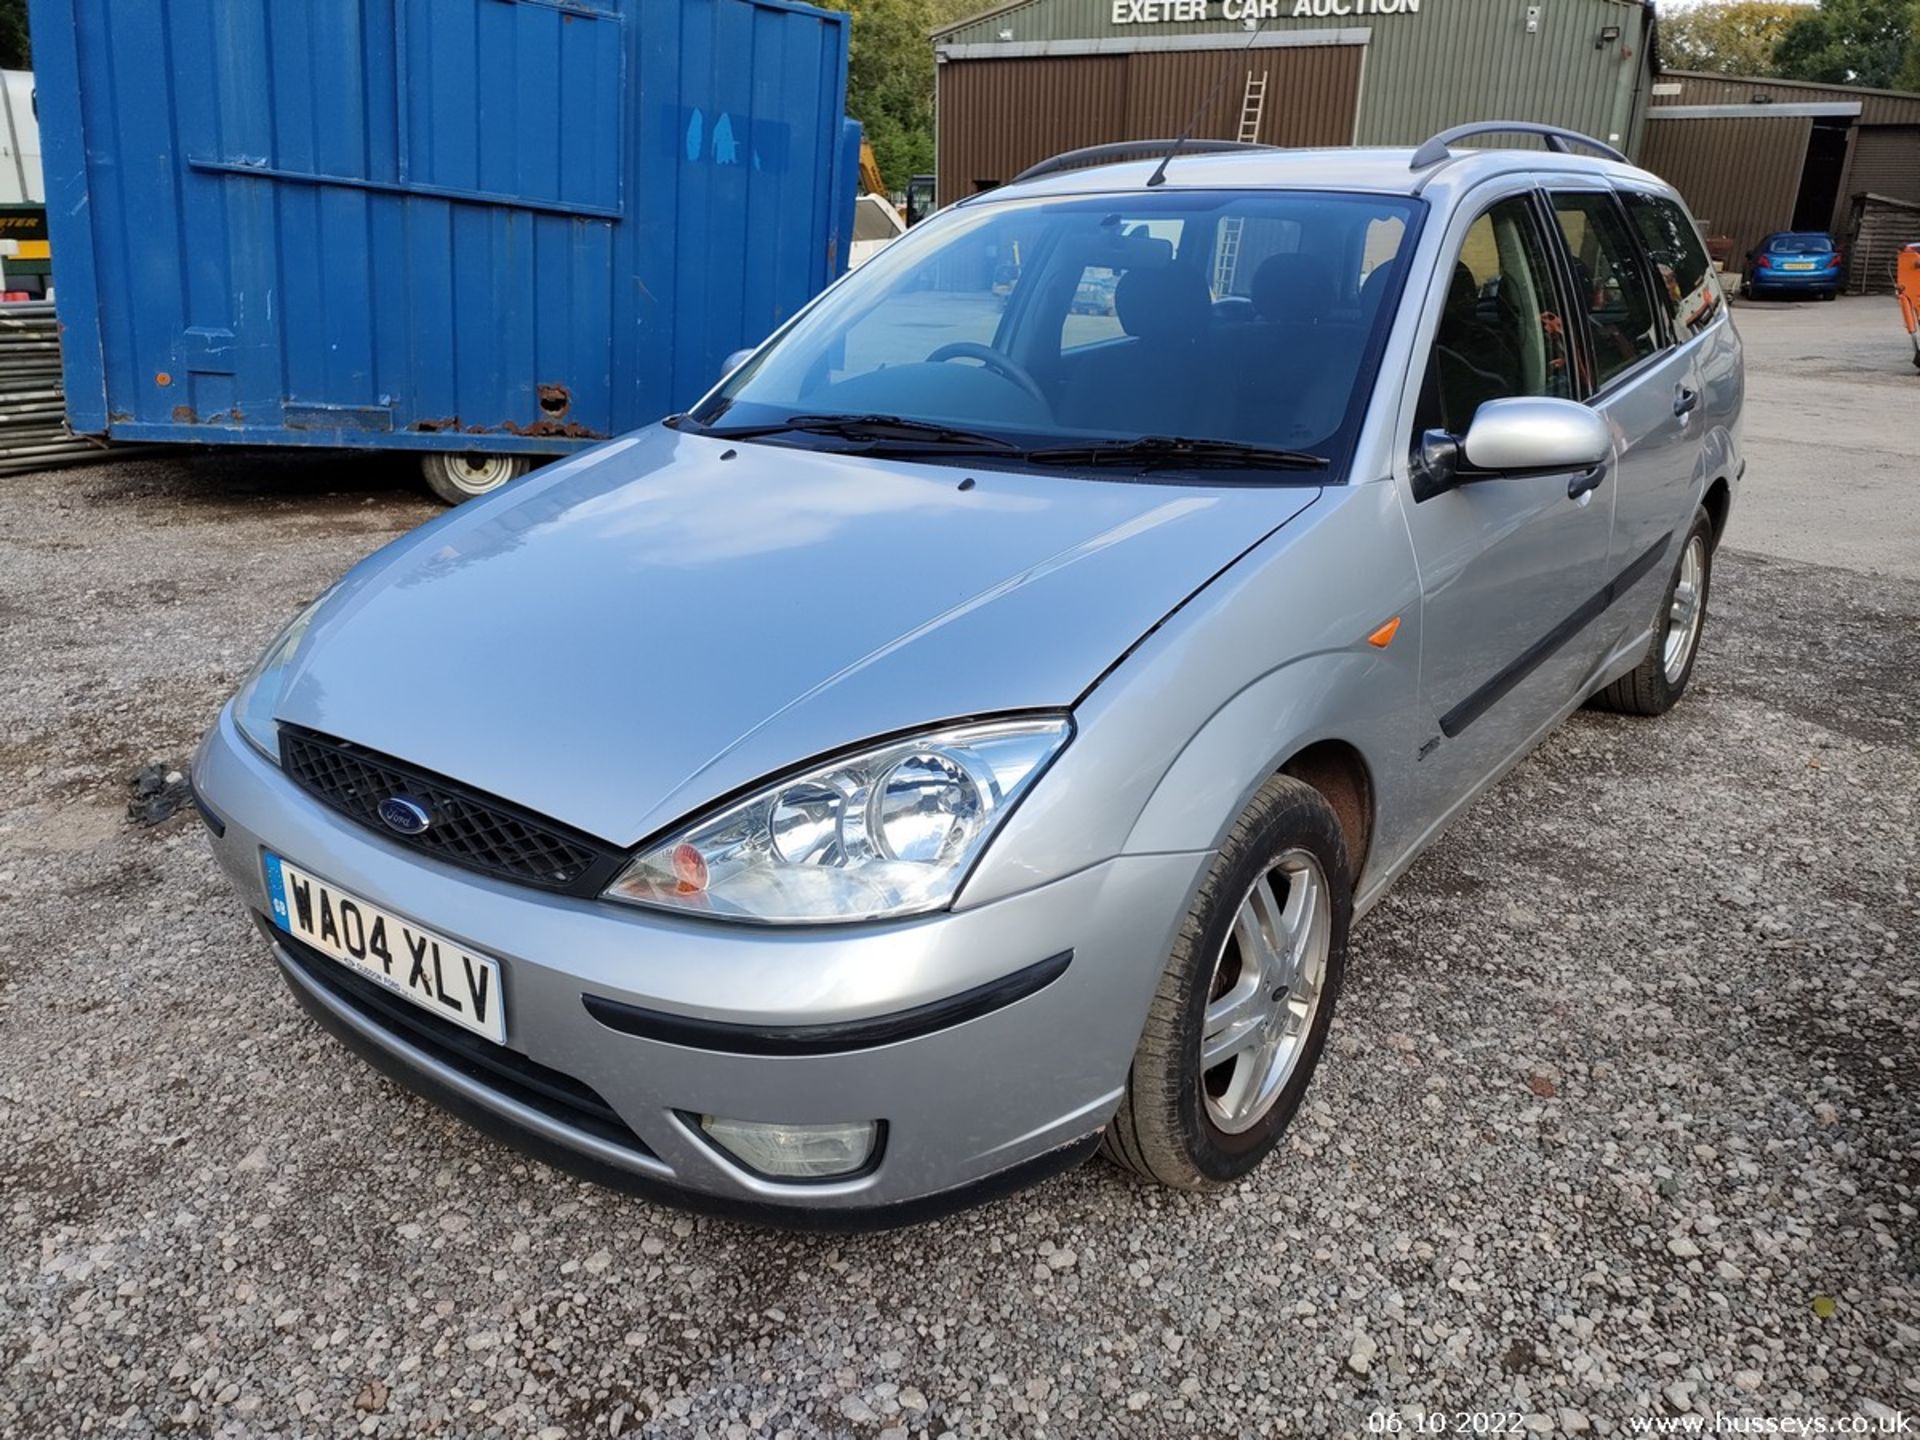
{"type": "Point", "coordinates": [415, 963]}
{"type": "Point", "coordinates": [1798, 265]}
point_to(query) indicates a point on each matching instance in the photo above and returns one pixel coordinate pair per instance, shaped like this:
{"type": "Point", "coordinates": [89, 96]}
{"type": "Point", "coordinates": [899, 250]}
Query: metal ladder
{"type": "Point", "coordinates": [1227, 261]}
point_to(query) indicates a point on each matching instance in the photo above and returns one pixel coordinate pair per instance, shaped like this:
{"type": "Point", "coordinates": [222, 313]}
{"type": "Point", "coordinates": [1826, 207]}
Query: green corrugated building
{"type": "Point", "coordinates": [1036, 77]}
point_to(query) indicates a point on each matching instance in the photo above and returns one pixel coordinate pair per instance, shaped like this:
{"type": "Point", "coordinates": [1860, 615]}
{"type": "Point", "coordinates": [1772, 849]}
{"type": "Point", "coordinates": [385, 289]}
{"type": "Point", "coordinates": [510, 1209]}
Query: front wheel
{"type": "Point", "coordinates": [1656, 684]}
{"type": "Point", "coordinates": [457, 477]}
{"type": "Point", "coordinates": [1244, 1004]}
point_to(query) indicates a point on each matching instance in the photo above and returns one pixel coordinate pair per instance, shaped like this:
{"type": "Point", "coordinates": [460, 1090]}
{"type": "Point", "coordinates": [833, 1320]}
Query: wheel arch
{"type": "Point", "coordinates": [1719, 503]}
{"type": "Point", "coordinates": [1325, 720]}
{"type": "Point", "coordinates": [1337, 769]}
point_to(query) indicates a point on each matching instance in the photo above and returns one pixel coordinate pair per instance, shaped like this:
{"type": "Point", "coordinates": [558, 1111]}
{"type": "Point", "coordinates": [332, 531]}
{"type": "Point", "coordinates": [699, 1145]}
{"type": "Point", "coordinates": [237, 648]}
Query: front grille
{"type": "Point", "coordinates": [467, 828]}
{"type": "Point", "coordinates": [558, 1096]}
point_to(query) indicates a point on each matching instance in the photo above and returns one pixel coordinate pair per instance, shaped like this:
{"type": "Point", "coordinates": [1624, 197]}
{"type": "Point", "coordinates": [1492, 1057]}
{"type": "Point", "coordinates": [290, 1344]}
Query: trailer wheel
{"type": "Point", "coordinates": [457, 477]}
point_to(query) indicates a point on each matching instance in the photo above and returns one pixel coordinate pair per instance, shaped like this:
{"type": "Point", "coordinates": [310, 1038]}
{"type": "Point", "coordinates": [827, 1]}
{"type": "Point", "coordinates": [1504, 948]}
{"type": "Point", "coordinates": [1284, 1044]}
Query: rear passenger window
{"type": "Point", "coordinates": [1500, 330]}
{"type": "Point", "coordinates": [1620, 312]}
{"type": "Point", "coordinates": [1679, 259]}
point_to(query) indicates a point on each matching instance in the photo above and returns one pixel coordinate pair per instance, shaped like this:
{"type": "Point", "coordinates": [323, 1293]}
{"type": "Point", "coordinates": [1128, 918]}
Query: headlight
{"type": "Point", "coordinates": [255, 701]}
{"type": "Point", "coordinates": [886, 832]}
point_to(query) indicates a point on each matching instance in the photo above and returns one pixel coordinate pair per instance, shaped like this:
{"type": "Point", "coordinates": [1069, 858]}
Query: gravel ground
{"type": "Point", "coordinates": [1617, 1120]}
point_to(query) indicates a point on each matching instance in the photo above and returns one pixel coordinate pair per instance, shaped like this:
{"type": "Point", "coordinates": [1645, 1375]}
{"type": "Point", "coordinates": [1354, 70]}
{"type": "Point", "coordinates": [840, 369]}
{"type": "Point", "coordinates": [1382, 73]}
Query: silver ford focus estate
{"type": "Point", "coordinates": [965, 738]}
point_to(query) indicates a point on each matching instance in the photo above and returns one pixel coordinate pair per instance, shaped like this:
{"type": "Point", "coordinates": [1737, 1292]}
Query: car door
{"type": "Point", "coordinates": [1506, 563]}
{"type": "Point", "coordinates": [1647, 388]}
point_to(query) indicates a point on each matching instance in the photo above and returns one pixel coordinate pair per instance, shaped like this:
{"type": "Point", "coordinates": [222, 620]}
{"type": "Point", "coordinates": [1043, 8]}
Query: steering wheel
{"type": "Point", "coordinates": [1009, 370]}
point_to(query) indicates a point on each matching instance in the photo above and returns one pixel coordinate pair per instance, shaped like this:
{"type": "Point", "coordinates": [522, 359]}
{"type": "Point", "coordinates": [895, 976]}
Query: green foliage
{"type": "Point", "coordinates": [890, 78]}
{"type": "Point", "coordinates": [1851, 42]}
{"type": "Point", "coordinates": [16, 51]}
{"type": "Point", "coordinates": [1730, 37]}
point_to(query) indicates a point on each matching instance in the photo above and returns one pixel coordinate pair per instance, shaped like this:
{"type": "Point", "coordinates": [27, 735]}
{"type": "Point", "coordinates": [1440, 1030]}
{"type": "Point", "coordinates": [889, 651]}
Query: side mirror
{"type": "Point", "coordinates": [734, 361]}
{"type": "Point", "coordinates": [1524, 435]}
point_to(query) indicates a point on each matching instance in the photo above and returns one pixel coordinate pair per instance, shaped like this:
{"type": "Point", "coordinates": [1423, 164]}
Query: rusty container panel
{"type": "Point", "coordinates": [1740, 174]}
{"type": "Point", "coordinates": [493, 225]}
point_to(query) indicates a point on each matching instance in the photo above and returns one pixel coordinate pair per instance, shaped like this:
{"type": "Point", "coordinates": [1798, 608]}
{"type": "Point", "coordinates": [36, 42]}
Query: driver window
{"type": "Point", "coordinates": [959, 300]}
{"type": "Point", "coordinates": [1501, 333]}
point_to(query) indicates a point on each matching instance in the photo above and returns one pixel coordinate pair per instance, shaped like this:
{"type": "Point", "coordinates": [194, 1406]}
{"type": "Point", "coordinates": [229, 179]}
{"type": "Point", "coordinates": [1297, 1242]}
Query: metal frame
{"type": "Point", "coordinates": [1558, 138]}
{"type": "Point", "coordinates": [1131, 149]}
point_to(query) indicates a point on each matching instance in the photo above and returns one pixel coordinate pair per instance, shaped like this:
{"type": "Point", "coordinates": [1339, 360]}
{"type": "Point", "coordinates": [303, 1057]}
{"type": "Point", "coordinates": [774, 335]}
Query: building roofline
{"type": "Point", "coordinates": [1767, 80]}
{"type": "Point", "coordinates": [964, 21]}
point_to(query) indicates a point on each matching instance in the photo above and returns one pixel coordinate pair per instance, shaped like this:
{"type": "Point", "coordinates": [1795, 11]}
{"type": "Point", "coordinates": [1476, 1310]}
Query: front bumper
{"type": "Point", "coordinates": [935, 1026]}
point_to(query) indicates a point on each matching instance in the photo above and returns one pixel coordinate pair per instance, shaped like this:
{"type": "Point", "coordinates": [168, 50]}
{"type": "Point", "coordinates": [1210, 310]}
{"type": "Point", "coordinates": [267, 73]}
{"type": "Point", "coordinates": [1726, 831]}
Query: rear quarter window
{"type": "Point", "coordinates": [1679, 260]}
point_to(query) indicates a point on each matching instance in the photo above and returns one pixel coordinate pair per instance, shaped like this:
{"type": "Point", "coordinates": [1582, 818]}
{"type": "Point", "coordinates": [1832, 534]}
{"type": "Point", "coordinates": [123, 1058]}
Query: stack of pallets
{"type": "Point", "coordinates": [33, 412]}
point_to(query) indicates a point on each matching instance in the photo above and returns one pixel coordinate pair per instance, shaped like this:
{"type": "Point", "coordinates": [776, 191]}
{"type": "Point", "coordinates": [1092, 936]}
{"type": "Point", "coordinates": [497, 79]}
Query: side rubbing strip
{"type": "Point", "coordinates": [736, 1039]}
{"type": "Point", "coordinates": [1530, 659]}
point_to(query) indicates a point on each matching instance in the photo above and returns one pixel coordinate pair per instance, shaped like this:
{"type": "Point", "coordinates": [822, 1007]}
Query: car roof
{"type": "Point", "coordinates": [1380, 170]}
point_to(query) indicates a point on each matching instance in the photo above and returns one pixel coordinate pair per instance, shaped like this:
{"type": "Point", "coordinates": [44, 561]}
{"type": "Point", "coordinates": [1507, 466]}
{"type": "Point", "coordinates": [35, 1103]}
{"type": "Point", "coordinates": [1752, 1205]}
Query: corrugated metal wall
{"type": "Point", "coordinates": [1886, 161]}
{"type": "Point", "coordinates": [1876, 232]}
{"type": "Point", "coordinates": [1310, 95]}
{"type": "Point", "coordinates": [999, 116]}
{"type": "Point", "coordinates": [1739, 175]}
{"type": "Point", "coordinates": [1446, 62]}
{"type": "Point", "coordinates": [1877, 107]}
{"type": "Point", "coordinates": [439, 224]}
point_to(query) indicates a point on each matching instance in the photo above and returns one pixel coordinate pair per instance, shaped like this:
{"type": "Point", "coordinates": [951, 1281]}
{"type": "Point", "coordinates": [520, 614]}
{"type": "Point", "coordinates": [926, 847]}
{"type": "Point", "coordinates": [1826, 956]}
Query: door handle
{"type": "Point", "coordinates": [1586, 480]}
{"type": "Point", "coordinates": [1685, 397]}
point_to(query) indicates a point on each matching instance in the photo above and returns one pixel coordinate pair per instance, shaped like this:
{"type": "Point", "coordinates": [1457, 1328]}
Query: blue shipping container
{"type": "Point", "coordinates": [445, 225]}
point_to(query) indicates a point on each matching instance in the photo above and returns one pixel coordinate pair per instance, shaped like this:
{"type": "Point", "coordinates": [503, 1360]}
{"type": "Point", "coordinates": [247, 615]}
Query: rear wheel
{"type": "Point", "coordinates": [457, 477]}
{"type": "Point", "coordinates": [1245, 1001]}
{"type": "Point", "coordinates": [1654, 685]}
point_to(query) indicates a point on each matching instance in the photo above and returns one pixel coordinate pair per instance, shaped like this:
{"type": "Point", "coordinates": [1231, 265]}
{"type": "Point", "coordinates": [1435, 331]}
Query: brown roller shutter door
{"type": "Point", "coordinates": [997, 117]}
{"type": "Point", "coordinates": [1740, 175]}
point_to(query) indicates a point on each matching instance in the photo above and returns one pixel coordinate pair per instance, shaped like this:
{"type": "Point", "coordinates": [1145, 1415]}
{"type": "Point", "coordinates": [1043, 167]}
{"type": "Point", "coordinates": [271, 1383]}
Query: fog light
{"type": "Point", "coordinates": [795, 1152]}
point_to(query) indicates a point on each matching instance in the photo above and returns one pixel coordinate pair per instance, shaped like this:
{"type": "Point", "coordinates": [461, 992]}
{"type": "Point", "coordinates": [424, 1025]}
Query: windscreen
{"type": "Point", "coordinates": [1800, 245]}
{"type": "Point", "coordinates": [1240, 316]}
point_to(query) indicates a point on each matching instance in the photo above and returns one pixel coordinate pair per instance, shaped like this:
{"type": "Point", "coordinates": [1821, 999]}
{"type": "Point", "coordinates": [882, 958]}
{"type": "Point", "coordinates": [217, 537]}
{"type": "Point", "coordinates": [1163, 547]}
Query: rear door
{"type": "Point", "coordinates": [1506, 564]}
{"type": "Point", "coordinates": [1646, 387]}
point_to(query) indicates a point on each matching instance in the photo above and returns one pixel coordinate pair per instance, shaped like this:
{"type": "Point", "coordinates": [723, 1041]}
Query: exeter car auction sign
{"type": "Point", "coordinates": [1168, 12]}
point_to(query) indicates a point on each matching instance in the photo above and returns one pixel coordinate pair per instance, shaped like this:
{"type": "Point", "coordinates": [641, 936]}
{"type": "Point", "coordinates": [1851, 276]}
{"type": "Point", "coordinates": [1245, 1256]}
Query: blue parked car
{"type": "Point", "coordinates": [1797, 262]}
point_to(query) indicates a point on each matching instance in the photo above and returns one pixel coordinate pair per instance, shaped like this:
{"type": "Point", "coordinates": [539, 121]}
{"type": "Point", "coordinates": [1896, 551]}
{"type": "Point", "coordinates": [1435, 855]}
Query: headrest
{"type": "Point", "coordinates": [1463, 296]}
{"type": "Point", "coordinates": [1291, 286]}
{"type": "Point", "coordinates": [1169, 304]}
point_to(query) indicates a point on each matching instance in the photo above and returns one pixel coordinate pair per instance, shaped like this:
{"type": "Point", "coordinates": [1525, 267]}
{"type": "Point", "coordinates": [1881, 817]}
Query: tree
{"type": "Point", "coordinates": [1849, 42]}
{"type": "Point", "coordinates": [890, 78]}
{"type": "Point", "coordinates": [16, 51]}
{"type": "Point", "coordinates": [1730, 37]}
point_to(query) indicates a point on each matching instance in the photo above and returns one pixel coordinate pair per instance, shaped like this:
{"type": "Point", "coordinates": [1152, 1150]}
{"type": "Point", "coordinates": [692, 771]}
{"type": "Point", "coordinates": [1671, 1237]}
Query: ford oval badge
{"type": "Point", "coordinates": [404, 814]}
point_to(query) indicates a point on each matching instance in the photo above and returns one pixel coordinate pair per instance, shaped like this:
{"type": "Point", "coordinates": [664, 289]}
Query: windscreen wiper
{"type": "Point", "coordinates": [1174, 452]}
{"type": "Point", "coordinates": [885, 430]}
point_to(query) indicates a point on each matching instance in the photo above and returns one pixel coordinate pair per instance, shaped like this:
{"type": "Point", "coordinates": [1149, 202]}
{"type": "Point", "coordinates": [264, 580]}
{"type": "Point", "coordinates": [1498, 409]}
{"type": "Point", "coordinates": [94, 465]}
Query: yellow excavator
{"type": "Point", "coordinates": [1907, 278]}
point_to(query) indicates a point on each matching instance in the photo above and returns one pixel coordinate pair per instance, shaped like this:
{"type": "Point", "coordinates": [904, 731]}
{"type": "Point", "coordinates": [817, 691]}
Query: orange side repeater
{"type": "Point", "coordinates": [1383, 637]}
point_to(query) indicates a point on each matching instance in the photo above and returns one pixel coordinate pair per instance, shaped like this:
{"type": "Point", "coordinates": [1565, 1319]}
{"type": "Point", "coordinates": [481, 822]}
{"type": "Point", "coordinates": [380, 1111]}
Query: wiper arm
{"type": "Point", "coordinates": [881, 428]}
{"type": "Point", "coordinates": [1174, 451]}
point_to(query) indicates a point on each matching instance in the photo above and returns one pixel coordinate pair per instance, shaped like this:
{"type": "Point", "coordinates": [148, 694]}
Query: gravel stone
{"type": "Point", "coordinates": [1616, 1119]}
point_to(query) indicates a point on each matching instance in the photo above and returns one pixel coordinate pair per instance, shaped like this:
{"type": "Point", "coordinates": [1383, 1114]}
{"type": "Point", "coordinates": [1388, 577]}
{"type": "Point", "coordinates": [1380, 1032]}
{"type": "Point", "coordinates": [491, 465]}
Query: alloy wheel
{"type": "Point", "coordinates": [1267, 984]}
{"type": "Point", "coordinates": [1687, 610]}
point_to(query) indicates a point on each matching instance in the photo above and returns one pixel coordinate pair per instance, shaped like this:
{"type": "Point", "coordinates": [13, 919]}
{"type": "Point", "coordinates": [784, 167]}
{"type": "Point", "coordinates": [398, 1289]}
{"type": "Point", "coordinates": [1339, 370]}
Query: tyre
{"type": "Point", "coordinates": [1654, 685]}
{"type": "Point", "coordinates": [1241, 1014]}
{"type": "Point", "coordinates": [457, 477]}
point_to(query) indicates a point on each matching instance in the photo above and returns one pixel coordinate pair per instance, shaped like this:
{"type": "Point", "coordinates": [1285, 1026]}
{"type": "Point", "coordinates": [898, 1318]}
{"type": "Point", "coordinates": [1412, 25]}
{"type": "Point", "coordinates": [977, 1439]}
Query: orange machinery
{"type": "Point", "coordinates": [1908, 279]}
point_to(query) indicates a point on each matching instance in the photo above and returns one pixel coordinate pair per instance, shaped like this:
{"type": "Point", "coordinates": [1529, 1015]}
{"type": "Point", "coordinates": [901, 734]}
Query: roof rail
{"type": "Point", "coordinates": [1123, 149]}
{"type": "Point", "coordinates": [1559, 139]}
